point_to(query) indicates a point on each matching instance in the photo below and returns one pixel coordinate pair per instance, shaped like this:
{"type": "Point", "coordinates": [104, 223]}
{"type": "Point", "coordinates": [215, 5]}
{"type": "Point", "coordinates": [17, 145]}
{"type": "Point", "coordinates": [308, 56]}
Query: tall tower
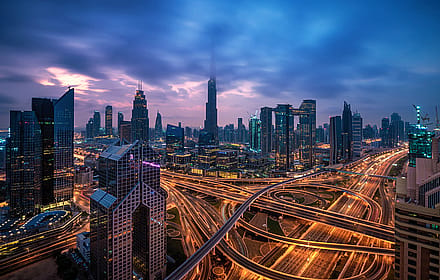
{"type": "Point", "coordinates": [64, 171]}
{"type": "Point", "coordinates": [347, 133]}
{"type": "Point", "coordinates": [140, 124]}
{"type": "Point", "coordinates": [266, 130]}
{"type": "Point", "coordinates": [120, 119]}
{"type": "Point", "coordinates": [284, 136]}
{"type": "Point", "coordinates": [127, 215]}
{"type": "Point", "coordinates": [23, 163]}
{"type": "Point", "coordinates": [307, 124]}
{"type": "Point", "coordinates": [96, 124]}
{"type": "Point", "coordinates": [158, 130]}
{"type": "Point", "coordinates": [108, 120]}
{"type": "Point", "coordinates": [357, 135]}
{"type": "Point", "coordinates": [211, 106]}
{"type": "Point", "coordinates": [255, 134]}
{"type": "Point", "coordinates": [56, 117]}
{"type": "Point", "coordinates": [335, 139]}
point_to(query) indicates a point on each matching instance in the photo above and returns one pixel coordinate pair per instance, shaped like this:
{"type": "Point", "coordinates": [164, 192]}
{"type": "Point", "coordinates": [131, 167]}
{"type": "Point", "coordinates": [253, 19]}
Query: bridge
{"type": "Point", "coordinates": [192, 261]}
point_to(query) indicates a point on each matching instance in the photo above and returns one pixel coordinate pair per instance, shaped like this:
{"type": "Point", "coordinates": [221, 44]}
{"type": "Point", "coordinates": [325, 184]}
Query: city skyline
{"type": "Point", "coordinates": [266, 54]}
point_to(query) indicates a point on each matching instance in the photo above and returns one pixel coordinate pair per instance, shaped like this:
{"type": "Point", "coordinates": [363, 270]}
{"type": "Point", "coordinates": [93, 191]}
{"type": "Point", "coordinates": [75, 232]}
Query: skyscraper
{"type": "Point", "coordinates": [89, 129]}
{"type": "Point", "coordinates": [347, 133]}
{"type": "Point", "coordinates": [96, 124]}
{"type": "Point", "coordinates": [307, 124]}
{"type": "Point", "coordinates": [140, 124]}
{"type": "Point", "coordinates": [335, 139]}
{"type": "Point", "coordinates": [241, 131]}
{"type": "Point", "coordinates": [266, 130]}
{"type": "Point", "coordinates": [127, 215]}
{"type": "Point", "coordinates": [284, 137]}
{"type": "Point", "coordinates": [175, 139]}
{"type": "Point", "coordinates": [64, 171]}
{"type": "Point", "coordinates": [255, 134]}
{"type": "Point", "coordinates": [44, 111]}
{"type": "Point", "coordinates": [56, 118]}
{"type": "Point", "coordinates": [211, 110]}
{"type": "Point", "coordinates": [396, 129]}
{"type": "Point", "coordinates": [120, 119]}
{"type": "Point", "coordinates": [108, 120]}
{"type": "Point", "coordinates": [385, 133]}
{"type": "Point", "coordinates": [158, 130]}
{"type": "Point", "coordinates": [23, 163]}
{"type": "Point", "coordinates": [357, 135]}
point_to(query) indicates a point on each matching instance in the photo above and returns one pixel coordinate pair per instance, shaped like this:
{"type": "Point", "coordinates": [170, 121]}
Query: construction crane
{"type": "Point", "coordinates": [421, 120]}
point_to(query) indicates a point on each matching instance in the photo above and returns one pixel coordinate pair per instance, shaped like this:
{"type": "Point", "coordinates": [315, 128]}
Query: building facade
{"type": "Point", "coordinates": [335, 140]}
{"type": "Point", "coordinates": [211, 110]}
{"type": "Point", "coordinates": [266, 130]}
{"type": "Point", "coordinates": [23, 163]}
{"type": "Point", "coordinates": [357, 135]}
{"type": "Point", "coordinates": [109, 120]}
{"type": "Point", "coordinates": [255, 134]}
{"type": "Point", "coordinates": [140, 124]}
{"type": "Point", "coordinates": [127, 218]}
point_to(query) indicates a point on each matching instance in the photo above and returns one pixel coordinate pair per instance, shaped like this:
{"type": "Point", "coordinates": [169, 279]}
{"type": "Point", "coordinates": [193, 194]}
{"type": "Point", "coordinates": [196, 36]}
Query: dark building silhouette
{"type": "Point", "coordinates": [127, 215]}
{"type": "Point", "coordinates": [139, 117]}
{"type": "Point", "coordinates": [284, 136]}
{"type": "Point", "coordinates": [347, 133]}
{"type": "Point", "coordinates": [52, 147]}
{"type": "Point", "coordinates": [44, 111]}
{"type": "Point", "coordinates": [96, 124]}
{"type": "Point", "coordinates": [397, 128]}
{"type": "Point", "coordinates": [108, 120]}
{"type": "Point", "coordinates": [90, 129]}
{"type": "Point", "coordinates": [385, 133]}
{"type": "Point", "coordinates": [211, 111]}
{"type": "Point", "coordinates": [357, 135]}
{"type": "Point", "coordinates": [307, 124]}
{"type": "Point", "coordinates": [335, 139]}
{"type": "Point", "coordinates": [158, 130]}
{"type": "Point", "coordinates": [24, 163]}
{"type": "Point", "coordinates": [174, 139]}
{"type": "Point", "coordinates": [266, 130]}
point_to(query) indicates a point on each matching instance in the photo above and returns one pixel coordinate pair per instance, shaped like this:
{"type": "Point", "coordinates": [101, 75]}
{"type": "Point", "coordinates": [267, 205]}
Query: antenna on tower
{"type": "Point", "coordinates": [212, 65]}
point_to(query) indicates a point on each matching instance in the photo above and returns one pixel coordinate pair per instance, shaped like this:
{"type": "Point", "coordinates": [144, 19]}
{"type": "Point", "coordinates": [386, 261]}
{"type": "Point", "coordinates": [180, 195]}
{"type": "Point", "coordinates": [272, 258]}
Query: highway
{"type": "Point", "coordinates": [192, 261]}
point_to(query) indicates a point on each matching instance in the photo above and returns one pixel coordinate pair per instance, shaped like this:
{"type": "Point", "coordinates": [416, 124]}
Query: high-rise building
{"type": "Point", "coordinates": [120, 119]}
{"type": "Point", "coordinates": [44, 111]}
{"type": "Point", "coordinates": [255, 134]}
{"type": "Point", "coordinates": [347, 133]}
{"type": "Point", "coordinates": [284, 137]}
{"type": "Point", "coordinates": [326, 133]}
{"type": "Point", "coordinates": [335, 139]}
{"type": "Point", "coordinates": [357, 135]}
{"type": "Point", "coordinates": [307, 124]}
{"type": "Point", "coordinates": [64, 171]}
{"type": "Point", "coordinates": [158, 130]}
{"type": "Point", "coordinates": [229, 133]}
{"type": "Point", "coordinates": [241, 131]}
{"type": "Point", "coordinates": [108, 120]}
{"type": "Point", "coordinates": [90, 129]}
{"type": "Point", "coordinates": [174, 139]}
{"type": "Point", "coordinates": [211, 110]}
{"type": "Point", "coordinates": [23, 163]}
{"type": "Point", "coordinates": [125, 131]}
{"type": "Point", "coordinates": [56, 118]}
{"type": "Point", "coordinates": [140, 123]}
{"type": "Point", "coordinates": [96, 124]}
{"type": "Point", "coordinates": [127, 215]}
{"type": "Point", "coordinates": [266, 130]}
{"type": "Point", "coordinates": [385, 133]}
{"type": "Point", "coordinates": [397, 128]}
{"type": "Point", "coordinates": [417, 216]}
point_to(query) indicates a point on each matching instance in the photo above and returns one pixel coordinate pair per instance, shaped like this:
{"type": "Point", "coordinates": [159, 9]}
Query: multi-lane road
{"type": "Point", "coordinates": [356, 212]}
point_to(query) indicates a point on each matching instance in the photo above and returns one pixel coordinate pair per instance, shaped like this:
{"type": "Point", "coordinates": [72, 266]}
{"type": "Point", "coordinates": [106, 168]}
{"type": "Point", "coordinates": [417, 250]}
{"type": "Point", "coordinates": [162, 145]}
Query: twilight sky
{"type": "Point", "coordinates": [380, 56]}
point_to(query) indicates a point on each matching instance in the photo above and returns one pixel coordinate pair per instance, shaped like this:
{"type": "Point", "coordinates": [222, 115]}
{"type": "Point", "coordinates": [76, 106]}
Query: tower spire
{"type": "Point", "coordinates": [212, 65]}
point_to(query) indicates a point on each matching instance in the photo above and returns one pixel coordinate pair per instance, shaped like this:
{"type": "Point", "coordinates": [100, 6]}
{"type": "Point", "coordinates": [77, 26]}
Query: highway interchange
{"type": "Point", "coordinates": [353, 236]}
